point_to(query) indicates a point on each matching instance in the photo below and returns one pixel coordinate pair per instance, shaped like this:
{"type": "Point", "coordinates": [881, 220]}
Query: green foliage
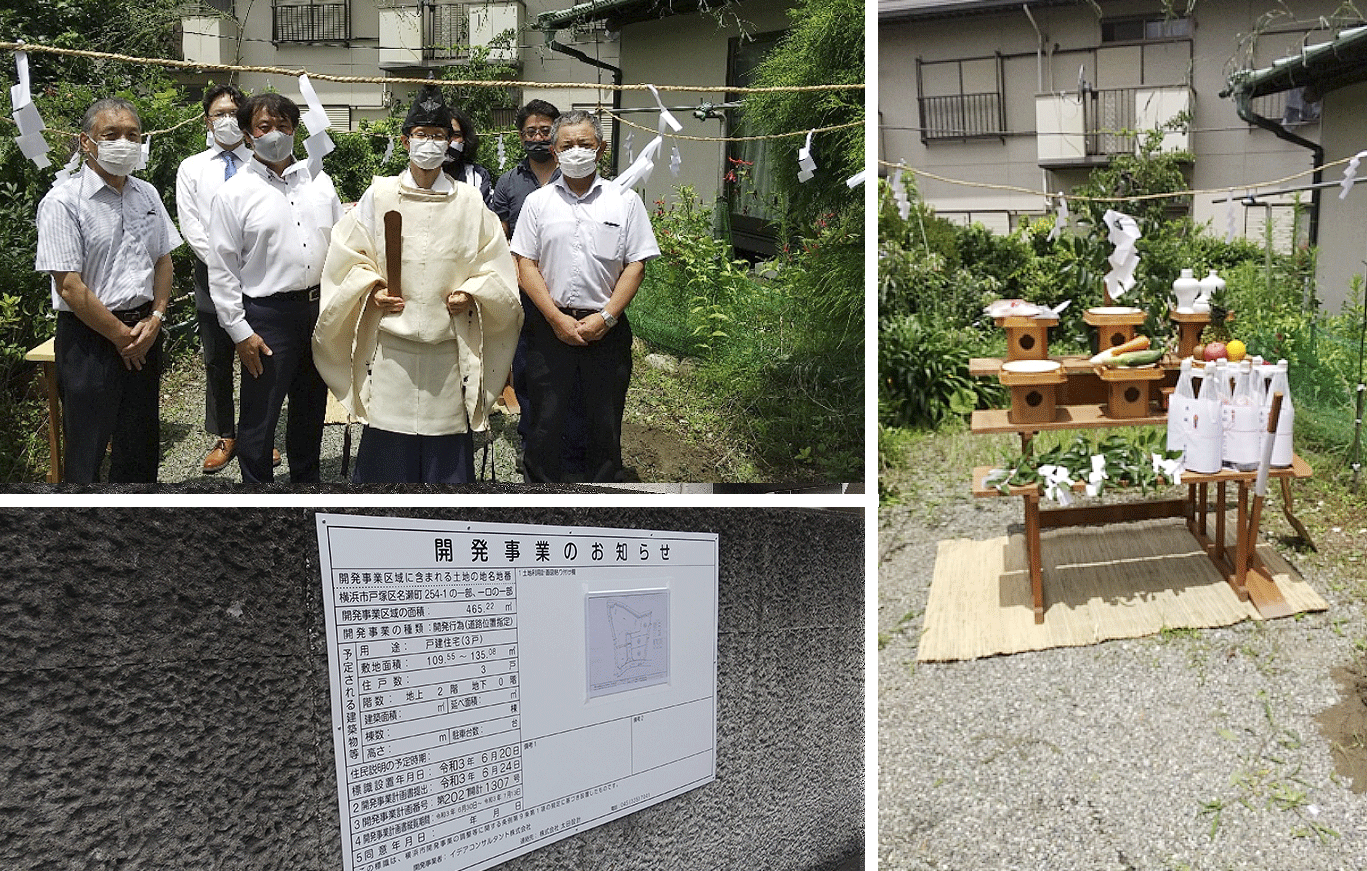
{"type": "Point", "coordinates": [923, 372]}
{"type": "Point", "coordinates": [781, 358]}
{"type": "Point", "coordinates": [1128, 461]}
{"type": "Point", "coordinates": [824, 46]}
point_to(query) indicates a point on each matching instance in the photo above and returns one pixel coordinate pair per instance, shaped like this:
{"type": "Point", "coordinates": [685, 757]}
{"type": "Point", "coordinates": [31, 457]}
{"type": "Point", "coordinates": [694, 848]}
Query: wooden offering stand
{"type": "Point", "coordinates": [1035, 407]}
{"type": "Point", "coordinates": [1113, 329]}
{"type": "Point", "coordinates": [1027, 338]}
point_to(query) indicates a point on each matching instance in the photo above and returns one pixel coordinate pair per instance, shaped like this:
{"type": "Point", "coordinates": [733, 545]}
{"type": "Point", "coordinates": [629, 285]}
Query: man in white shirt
{"type": "Point", "coordinates": [268, 238]}
{"type": "Point", "coordinates": [197, 181]}
{"type": "Point", "coordinates": [107, 240]}
{"type": "Point", "coordinates": [581, 244]}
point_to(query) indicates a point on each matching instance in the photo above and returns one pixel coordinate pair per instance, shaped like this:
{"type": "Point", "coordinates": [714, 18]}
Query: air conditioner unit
{"type": "Point", "coordinates": [487, 22]}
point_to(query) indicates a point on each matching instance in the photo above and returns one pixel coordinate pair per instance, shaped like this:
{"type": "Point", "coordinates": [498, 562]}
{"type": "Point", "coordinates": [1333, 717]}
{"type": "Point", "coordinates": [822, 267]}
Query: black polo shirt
{"type": "Point", "coordinates": [512, 189]}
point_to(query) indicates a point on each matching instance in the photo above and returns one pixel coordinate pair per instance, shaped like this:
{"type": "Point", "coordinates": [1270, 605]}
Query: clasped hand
{"type": "Point", "coordinates": [138, 342]}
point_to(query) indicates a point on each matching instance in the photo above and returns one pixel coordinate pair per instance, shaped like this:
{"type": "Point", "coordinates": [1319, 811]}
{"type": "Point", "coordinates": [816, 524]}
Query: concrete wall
{"type": "Point", "coordinates": [164, 697]}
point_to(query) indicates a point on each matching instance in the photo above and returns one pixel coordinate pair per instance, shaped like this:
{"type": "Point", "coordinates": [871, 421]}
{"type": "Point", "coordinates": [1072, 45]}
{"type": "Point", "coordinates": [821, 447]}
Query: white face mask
{"type": "Point", "coordinates": [426, 153]}
{"type": "Point", "coordinates": [275, 146]}
{"type": "Point", "coordinates": [119, 156]}
{"type": "Point", "coordinates": [578, 162]}
{"type": "Point", "coordinates": [226, 131]}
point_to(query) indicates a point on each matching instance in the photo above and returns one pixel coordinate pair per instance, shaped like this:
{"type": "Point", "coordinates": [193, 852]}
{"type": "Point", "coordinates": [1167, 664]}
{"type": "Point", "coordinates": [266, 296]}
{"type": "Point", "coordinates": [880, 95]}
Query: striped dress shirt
{"type": "Point", "coordinates": [112, 239]}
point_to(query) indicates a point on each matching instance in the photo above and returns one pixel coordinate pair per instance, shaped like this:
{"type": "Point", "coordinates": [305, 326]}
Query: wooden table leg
{"type": "Point", "coordinates": [1220, 520]}
{"type": "Point", "coordinates": [1202, 502]}
{"type": "Point", "coordinates": [1291, 518]}
{"type": "Point", "coordinates": [55, 471]}
{"type": "Point", "coordinates": [1032, 551]}
{"type": "Point", "coordinates": [1240, 577]}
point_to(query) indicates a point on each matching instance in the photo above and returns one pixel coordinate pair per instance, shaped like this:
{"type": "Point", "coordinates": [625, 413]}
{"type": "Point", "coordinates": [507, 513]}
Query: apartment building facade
{"type": "Point", "coordinates": [1037, 94]}
{"type": "Point", "coordinates": [387, 38]}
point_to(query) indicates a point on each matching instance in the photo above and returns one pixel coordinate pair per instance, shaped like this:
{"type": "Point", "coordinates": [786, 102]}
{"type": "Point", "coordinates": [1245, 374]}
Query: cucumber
{"type": "Point", "coordinates": [1137, 358]}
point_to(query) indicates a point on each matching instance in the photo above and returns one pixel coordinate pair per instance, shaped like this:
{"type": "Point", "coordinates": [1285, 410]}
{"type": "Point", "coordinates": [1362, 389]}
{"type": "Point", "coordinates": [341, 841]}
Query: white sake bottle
{"type": "Point", "coordinates": [1282, 449]}
{"type": "Point", "coordinates": [1240, 415]}
{"type": "Point", "coordinates": [1181, 397]}
{"type": "Point", "coordinates": [1201, 427]}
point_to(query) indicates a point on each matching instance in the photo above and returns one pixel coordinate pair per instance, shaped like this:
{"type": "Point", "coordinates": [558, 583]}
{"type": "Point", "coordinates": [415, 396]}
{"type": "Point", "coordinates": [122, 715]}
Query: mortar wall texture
{"type": "Point", "coordinates": [164, 697]}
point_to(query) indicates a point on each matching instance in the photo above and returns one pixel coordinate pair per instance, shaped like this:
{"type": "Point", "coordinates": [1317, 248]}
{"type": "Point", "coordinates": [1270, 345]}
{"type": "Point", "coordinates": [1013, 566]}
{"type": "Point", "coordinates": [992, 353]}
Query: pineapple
{"type": "Point", "coordinates": [1217, 330]}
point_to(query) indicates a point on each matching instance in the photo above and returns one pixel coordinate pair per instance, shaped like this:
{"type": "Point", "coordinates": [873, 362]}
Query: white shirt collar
{"type": "Point", "coordinates": [443, 184]}
{"type": "Point", "coordinates": [260, 168]}
{"type": "Point", "coordinates": [564, 183]}
{"type": "Point", "coordinates": [92, 182]}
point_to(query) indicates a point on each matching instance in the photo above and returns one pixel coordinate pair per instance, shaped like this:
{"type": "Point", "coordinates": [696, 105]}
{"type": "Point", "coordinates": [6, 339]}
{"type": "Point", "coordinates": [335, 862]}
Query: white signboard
{"type": "Point", "coordinates": [497, 687]}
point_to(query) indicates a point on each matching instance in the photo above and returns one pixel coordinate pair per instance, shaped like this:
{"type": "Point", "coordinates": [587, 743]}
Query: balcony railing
{"type": "Point", "coordinates": [311, 22]}
{"type": "Point", "coordinates": [962, 116]}
{"type": "Point", "coordinates": [1110, 120]}
{"type": "Point", "coordinates": [447, 32]}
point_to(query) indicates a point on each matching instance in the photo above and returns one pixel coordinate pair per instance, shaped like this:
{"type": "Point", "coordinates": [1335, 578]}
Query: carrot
{"type": "Point", "coordinates": [1138, 343]}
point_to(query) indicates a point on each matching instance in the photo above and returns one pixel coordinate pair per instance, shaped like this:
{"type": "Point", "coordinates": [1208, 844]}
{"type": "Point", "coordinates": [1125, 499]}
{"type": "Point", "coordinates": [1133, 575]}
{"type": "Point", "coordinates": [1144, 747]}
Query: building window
{"type": "Point", "coordinates": [311, 22]}
{"type": "Point", "coordinates": [1151, 28]}
{"type": "Point", "coordinates": [748, 177]}
{"type": "Point", "coordinates": [448, 32]}
{"type": "Point", "coordinates": [961, 99]}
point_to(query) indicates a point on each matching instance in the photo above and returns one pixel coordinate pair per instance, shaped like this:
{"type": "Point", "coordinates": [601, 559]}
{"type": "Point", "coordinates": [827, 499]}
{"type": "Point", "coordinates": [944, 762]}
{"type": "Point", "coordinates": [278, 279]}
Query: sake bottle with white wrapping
{"type": "Point", "coordinates": [1181, 397]}
{"type": "Point", "coordinates": [1240, 416]}
{"type": "Point", "coordinates": [1201, 428]}
{"type": "Point", "coordinates": [1282, 451]}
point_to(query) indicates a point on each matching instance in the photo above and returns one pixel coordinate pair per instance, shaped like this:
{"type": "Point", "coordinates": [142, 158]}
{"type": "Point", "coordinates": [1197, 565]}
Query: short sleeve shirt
{"type": "Point", "coordinates": [582, 244]}
{"type": "Point", "coordinates": [112, 238]}
{"type": "Point", "coordinates": [512, 190]}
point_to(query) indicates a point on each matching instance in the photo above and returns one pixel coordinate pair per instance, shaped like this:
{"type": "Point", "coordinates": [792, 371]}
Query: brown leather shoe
{"type": "Point", "coordinates": [219, 456]}
{"type": "Point", "coordinates": [275, 457]}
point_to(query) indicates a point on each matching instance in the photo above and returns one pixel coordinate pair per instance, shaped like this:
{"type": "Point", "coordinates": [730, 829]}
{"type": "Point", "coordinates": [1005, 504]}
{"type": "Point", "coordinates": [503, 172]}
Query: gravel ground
{"type": "Point", "coordinates": [184, 442]}
{"type": "Point", "coordinates": [1189, 750]}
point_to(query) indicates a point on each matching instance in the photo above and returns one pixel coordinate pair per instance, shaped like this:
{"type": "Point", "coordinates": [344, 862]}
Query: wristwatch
{"type": "Point", "coordinates": [608, 319]}
{"type": "Point", "coordinates": [159, 315]}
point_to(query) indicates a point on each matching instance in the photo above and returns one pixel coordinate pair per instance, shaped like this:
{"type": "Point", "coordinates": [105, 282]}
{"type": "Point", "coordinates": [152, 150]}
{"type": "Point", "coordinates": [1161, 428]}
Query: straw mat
{"type": "Point", "coordinates": [1100, 582]}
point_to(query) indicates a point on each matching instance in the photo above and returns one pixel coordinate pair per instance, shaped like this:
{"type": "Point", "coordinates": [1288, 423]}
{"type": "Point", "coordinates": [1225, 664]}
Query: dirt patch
{"type": "Point", "coordinates": [1345, 725]}
{"type": "Point", "coordinates": [655, 454]}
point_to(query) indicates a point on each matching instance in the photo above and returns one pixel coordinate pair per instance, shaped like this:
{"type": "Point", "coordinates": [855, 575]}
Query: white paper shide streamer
{"type": "Point", "coordinates": [857, 179]}
{"type": "Point", "coordinates": [640, 169]}
{"type": "Point", "coordinates": [1231, 219]}
{"type": "Point", "coordinates": [1125, 258]}
{"type": "Point", "coordinates": [30, 140]}
{"type": "Point", "coordinates": [675, 161]}
{"type": "Point", "coordinates": [318, 144]}
{"type": "Point", "coordinates": [1350, 173]}
{"type": "Point", "coordinates": [806, 165]}
{"type": "Point", "coordinates": [899, 193]}
{"type": "Point", "coordinates": [502, 153]}
{"type": "Point", "coordinates": [1062, 220]}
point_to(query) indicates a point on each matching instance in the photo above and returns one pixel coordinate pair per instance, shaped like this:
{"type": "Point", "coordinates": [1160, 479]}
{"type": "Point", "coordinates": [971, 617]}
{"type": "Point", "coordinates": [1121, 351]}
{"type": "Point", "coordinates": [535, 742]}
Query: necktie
{"type": "Point", "coordinates": [229, 165]}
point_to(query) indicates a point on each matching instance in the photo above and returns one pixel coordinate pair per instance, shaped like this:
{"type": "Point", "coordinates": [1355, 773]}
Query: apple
{"type": "Point", "coordinates": [1215, 351]}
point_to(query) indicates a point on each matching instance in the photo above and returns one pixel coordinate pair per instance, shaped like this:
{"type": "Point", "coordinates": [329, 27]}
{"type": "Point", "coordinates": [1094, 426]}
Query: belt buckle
{"type": "Point", "coordinates": [314, 293]}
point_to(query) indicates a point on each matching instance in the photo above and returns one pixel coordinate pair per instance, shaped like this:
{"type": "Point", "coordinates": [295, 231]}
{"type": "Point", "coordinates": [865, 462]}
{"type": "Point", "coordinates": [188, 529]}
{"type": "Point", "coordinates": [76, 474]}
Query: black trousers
{"type": "Point", "coordinates": [576, 428]}
{"type": "Point", "coordinates": [603, 372]}
{"type": "Point", "coordinates": [286, 325]}
{"type": "Point", "coordinates": [220, 355]}
{"type": "Point", "coordinates": [386, 457]}
{"type": "Point", "coordinates": [102, 400]}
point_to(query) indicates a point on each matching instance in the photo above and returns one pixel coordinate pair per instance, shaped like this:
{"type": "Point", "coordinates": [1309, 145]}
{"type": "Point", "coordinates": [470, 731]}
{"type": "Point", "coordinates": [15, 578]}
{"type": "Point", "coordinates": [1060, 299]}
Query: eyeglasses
{"type": "Point", "coordinates": [427, 137]}
{"type": "Point", "coordinates": [529, 132]}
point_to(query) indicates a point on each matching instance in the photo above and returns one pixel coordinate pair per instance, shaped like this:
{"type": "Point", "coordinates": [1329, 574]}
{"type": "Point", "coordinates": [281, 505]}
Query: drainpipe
{"type": "Point", "coordinates": [616, 80]}
{"type": "Point", "coordinates": [1243, 105]}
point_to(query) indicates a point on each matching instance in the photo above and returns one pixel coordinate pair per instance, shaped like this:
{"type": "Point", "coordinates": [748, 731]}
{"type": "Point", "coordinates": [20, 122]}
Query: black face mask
{"type": "Point", "coordinates": [454, 155]}
{"type": "Point", "coordinates": [540, 151]}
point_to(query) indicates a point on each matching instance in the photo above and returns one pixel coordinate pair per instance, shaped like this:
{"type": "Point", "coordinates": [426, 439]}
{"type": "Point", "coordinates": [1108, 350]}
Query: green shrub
{"type": "Point", "coordinates": [923, 373]}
